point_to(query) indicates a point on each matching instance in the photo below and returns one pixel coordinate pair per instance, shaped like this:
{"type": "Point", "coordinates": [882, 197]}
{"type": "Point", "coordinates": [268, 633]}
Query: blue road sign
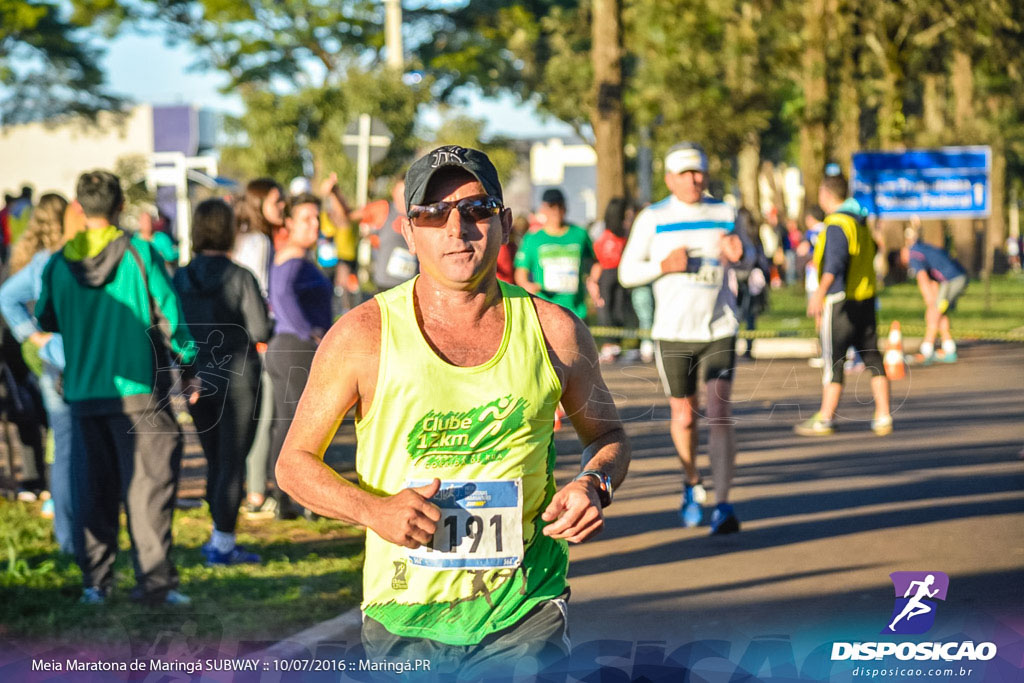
{"type": "Point", "coordinates": [949, 182]}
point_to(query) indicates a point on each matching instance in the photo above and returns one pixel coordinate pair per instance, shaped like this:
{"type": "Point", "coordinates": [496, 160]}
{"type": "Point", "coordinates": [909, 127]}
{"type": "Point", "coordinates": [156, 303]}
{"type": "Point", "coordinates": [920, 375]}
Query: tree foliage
{"type": "Point", "coordinates": [48, 66]}
{"type": "Point", "coordinates": [276, 131]}
{"type": "Point", "coordinates": [466, 131]}
{"type": "Point", "coordinates": [719, 70]}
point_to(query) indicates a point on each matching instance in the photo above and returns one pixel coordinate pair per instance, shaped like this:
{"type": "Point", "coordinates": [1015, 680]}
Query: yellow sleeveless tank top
{"type": "Point", "coordinates": [486, 432]}
{"type": "Point", "coordinates": [860, 276]}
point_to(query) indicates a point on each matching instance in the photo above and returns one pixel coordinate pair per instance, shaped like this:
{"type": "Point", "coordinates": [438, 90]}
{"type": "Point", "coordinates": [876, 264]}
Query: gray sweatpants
{"type": "Point", "coordinates": [133, 459]}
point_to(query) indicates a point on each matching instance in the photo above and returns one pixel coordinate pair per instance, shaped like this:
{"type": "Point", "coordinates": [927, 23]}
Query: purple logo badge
{"type": "Point", "coordinates": [914, 610]}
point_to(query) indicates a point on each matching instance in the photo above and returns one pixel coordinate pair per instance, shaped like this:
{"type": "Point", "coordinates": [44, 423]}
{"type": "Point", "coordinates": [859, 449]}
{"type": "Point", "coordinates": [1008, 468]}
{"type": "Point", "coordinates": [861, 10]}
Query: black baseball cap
{"type": "Point", "coordinates": [553, 197]}
{"type": "Point", "coordinates": [473, 161]}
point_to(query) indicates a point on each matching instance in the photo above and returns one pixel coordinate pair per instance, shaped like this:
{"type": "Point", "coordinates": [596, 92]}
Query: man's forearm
{"type": "Point", "coordinates": [609, 453]}
{"type": "Point", "coordinates": [316, 486]}
{"type": "Point", "coordinates": [824, 284]}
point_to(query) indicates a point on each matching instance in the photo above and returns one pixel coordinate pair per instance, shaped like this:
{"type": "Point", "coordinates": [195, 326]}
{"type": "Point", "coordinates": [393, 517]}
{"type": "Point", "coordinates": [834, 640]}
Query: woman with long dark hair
{"type": "Point", "coordinates": [259, 218]}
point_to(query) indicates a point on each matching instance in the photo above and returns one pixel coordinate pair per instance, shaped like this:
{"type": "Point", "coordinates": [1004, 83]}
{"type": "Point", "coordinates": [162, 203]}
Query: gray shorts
{"type": "Point", "coordinates": [527, 647]}
{"type": "Point", "coordinates": [950, 291]}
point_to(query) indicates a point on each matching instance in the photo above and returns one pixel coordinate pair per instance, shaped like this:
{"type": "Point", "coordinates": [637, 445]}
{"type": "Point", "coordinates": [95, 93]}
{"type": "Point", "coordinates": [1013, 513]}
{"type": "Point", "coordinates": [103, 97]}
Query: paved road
{"type": "Point", "coordinates": [824, 520]}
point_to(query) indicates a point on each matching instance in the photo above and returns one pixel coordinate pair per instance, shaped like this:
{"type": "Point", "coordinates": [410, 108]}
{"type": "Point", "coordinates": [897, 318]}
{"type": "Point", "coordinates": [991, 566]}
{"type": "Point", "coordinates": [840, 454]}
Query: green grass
{"type": "Point", "coordinates": [311, 571]}
{"type": "Point", "coordinates": [787, 310]}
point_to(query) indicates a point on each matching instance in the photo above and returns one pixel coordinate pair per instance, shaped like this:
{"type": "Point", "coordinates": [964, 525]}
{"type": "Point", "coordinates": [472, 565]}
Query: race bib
{"type": "Point", "coordinates": [702, 270]}
{"type": "Point", "coordinates": [401, 264]}
{"type": "Point", "coordinates": [561, 275]}
{"type": "Point", "coordinates": [481, 526]}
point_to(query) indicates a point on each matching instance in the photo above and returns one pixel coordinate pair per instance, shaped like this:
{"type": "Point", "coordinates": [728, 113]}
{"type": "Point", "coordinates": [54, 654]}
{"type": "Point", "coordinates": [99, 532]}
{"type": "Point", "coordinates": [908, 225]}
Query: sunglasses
{"type": "Point", "coordinates": [474, 209]}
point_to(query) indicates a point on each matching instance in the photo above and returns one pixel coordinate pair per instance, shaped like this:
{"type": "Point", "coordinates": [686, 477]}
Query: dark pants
{"type": "Point", "coordinates": [135, 459]}
{"type": "Point", "coordinates": [288, 361]}
{"type": "Point", "coordinates": [225, 420]}
{"type": "Point", "coordinates": [535, 642]}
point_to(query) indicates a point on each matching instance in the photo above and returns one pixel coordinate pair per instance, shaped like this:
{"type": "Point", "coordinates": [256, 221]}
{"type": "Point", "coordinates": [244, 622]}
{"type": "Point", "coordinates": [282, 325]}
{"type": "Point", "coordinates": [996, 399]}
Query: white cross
{"type": "Point", "coordinates": [363, 141]}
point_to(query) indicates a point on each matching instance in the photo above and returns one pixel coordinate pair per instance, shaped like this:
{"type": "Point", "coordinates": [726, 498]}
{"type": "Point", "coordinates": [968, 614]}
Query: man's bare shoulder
{"type": "Point", "coordinates": [356, 332]}
{"type": "Point", "coordinates": [562, 329]}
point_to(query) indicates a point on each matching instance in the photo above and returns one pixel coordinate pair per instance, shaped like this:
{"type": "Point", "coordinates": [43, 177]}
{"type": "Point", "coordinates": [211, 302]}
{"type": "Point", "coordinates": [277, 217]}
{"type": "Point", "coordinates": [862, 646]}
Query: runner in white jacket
{"type": "Point", "coordinates": [688, 245]}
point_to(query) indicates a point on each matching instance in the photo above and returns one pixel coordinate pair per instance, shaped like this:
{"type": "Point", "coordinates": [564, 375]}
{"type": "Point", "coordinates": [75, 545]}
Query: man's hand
{"type": "Point", "coordinates": [327, 184]}
{"type": "Point", "coordinates": [191, 388]}
{"type": "Point", "coordinates": [676, 261]}
{"type": "Point", "coordinates": [815, 305]}
{"type": "Point", "coordinates": [408, 518]}
{"type": "Point", "coordinates": [595, 292]}
{"type": "Point", "coordinates": [575, 512]}
{"type": "Point", "coordinates": [732, 248]}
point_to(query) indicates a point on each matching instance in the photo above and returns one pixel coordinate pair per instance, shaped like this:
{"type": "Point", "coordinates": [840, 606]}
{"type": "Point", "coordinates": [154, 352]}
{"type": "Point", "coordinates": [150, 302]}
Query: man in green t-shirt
{"type": "Point", "coordinates": [553, 262]}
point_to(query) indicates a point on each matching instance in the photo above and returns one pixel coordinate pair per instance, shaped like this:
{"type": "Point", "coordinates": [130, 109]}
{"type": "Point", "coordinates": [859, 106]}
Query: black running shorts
{"type": "Point", "coordinates": [681, 364]}
{"type": "Point", "coordinates": [846, 323]}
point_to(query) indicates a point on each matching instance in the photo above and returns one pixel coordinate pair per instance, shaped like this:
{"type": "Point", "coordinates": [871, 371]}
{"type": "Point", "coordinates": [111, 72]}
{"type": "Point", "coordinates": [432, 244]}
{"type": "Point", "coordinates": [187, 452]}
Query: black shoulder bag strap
{"type": "Point", "coordinates": [163, 380]}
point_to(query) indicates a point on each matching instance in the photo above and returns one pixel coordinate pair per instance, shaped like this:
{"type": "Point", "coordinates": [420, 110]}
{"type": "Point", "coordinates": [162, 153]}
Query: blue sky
{"type": "Point", "coordinates": [145, 69]}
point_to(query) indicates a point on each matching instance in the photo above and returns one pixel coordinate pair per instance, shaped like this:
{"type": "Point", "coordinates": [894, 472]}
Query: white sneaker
{"type": "Point", "coordinates": [882, 425]}
{"type": "Point", "coordinates": [609, 352]}
{"type": "Point", "coordinates": [647, 351]}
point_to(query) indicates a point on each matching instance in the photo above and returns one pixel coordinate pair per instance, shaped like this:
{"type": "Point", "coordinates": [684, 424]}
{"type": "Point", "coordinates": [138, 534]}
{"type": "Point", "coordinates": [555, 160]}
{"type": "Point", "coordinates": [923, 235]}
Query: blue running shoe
{"type": "Point", "coordinates": [237, 555]}
{"type": "Point", "coordinates": [724, 520]}
{"type": "Point", "coordinates": [93, 596]}
{"type": "Point", "coordinates": [691, 513]}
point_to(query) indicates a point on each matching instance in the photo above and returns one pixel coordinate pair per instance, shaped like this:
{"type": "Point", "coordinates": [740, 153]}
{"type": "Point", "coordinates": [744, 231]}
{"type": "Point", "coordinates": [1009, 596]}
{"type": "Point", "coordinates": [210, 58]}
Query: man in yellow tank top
{"type": "Point", "coordinates": [454, 378]}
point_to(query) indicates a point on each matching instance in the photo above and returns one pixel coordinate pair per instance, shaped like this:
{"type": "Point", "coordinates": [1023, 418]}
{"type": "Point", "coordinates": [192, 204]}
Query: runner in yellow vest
{"type": "Point", "coordinates": [844, 306]}
{"type": "Point", "coordinates": [454, 378]}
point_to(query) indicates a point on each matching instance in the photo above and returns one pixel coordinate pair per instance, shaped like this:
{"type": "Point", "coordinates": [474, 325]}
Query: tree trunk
{"type": "Point", "coordinates": [933, 101]}
{"type": "Point", "coordinates": [748, 163]}
{"type": "Point", "coordinates": [997, 221]}
{"type": "Point", "coordinates": [965, 132]}
{"type": "Point", "coordinates": [607, 117]}
{"type": "Point", "coordinates": [740, 74]}
{"type": "Point", "coordinates": [962, 81]}
{"type": "Point", "coordinates": [812, 127]}
{"type": "Point", "coordinates": [848, 115]}
{"type": "Point", "coordinates": [891, 120]}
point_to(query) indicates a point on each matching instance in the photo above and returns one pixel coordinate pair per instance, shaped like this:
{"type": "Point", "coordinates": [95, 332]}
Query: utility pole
{"type": "Point", "coordinates": [607, 118]}
{"type": "Point", "coordinates": [393, 34]}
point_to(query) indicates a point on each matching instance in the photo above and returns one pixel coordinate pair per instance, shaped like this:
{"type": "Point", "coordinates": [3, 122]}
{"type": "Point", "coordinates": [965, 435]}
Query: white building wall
{"type": "Point", "coordinates": [50, 158]}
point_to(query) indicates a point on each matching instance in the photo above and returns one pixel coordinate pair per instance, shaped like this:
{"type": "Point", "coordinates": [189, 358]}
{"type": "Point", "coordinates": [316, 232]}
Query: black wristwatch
{"type": "Point", "coordinates": [604, 485]}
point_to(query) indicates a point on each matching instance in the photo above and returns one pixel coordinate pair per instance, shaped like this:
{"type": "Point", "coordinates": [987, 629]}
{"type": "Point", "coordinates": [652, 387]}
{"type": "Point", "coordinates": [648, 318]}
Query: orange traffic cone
{"type": "Point", "coordinates": [895, 368]}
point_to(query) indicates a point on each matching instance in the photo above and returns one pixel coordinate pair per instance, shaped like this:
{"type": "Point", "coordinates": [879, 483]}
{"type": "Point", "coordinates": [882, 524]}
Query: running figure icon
{"type": "Point", "coordinates": [915, 607]}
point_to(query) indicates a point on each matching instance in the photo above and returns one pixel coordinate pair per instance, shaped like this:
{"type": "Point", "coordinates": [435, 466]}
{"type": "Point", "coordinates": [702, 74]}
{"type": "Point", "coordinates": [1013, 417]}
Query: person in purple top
{"type": "Point", "coordinates": [300, 298]}
{"type": "Point", "coordinates": [942, 280]}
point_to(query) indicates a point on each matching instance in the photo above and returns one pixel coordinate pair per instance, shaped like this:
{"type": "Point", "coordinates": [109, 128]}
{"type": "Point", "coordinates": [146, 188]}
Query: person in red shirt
{"type": "Point", "coordinates": [614, 308]}
{"type": "Point", "coordinates": [507, 253]}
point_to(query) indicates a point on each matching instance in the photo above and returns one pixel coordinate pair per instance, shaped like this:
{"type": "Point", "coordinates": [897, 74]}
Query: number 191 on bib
{"type": "Point", "coordinates": [480, 526]}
